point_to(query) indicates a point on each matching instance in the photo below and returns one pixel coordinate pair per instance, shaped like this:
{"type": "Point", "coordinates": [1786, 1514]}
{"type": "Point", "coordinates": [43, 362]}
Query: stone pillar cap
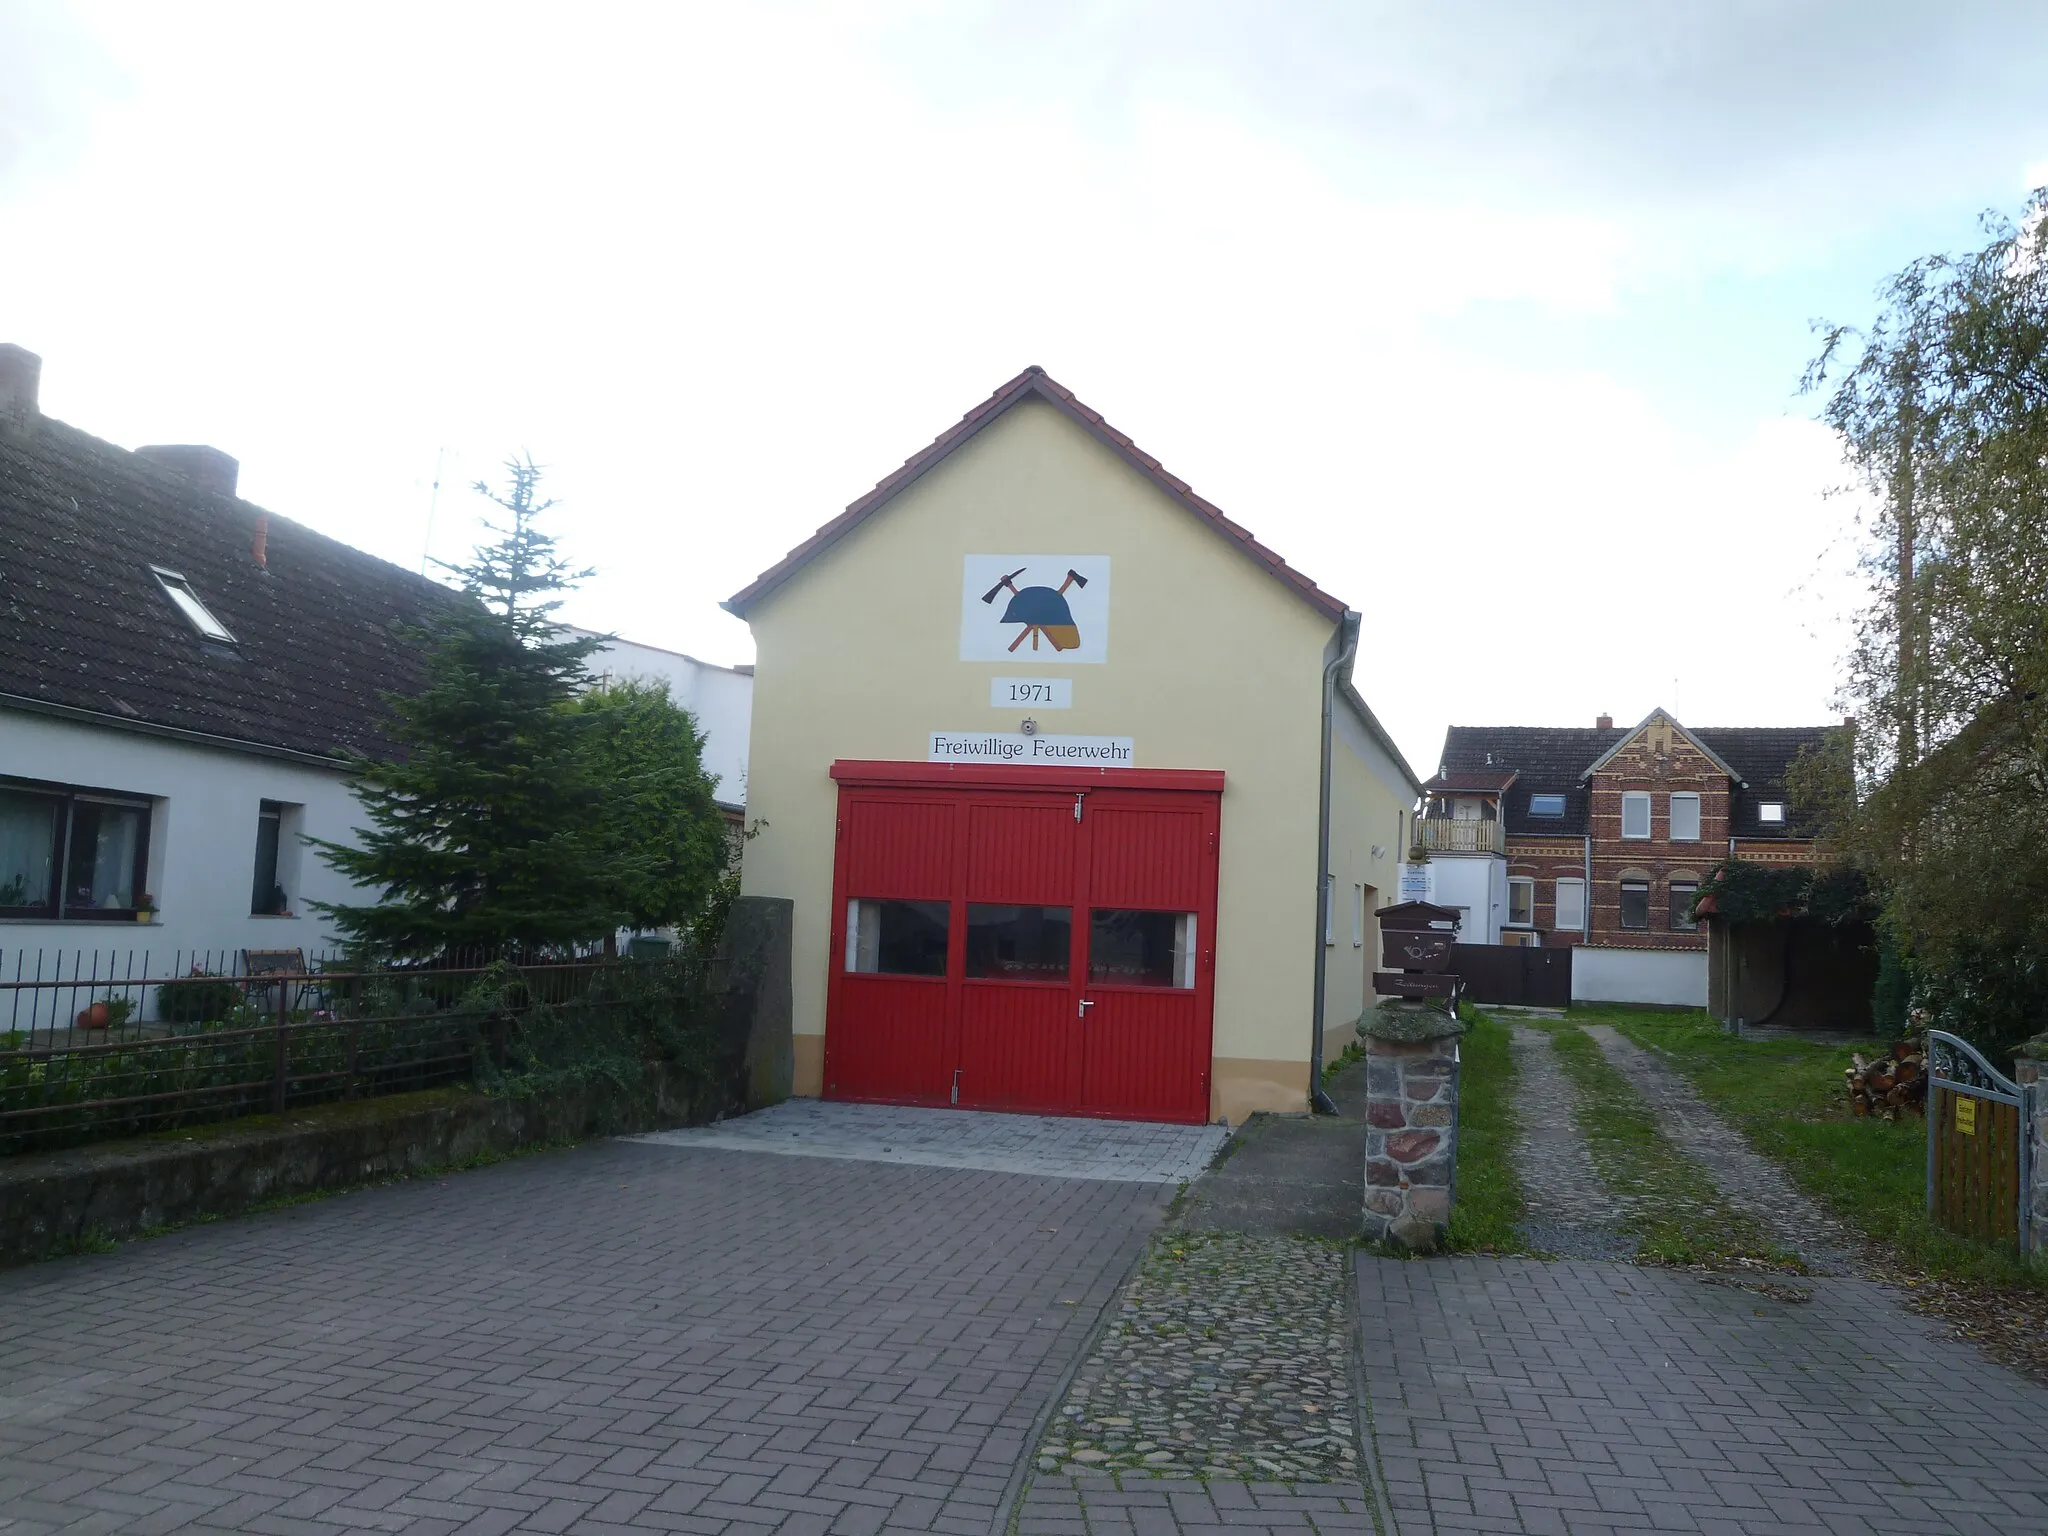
{"type": "Point", "coordinates": [1407, 1026]}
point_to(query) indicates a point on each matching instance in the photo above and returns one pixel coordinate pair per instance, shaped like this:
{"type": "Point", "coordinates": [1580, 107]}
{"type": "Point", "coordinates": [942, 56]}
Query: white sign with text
{"type": "Point", "coordinates": [1047, 751]}
{"type": "Point", "coordinates": [1035, 609]}
{"type": "Point", "coordinates": [1031, 692]}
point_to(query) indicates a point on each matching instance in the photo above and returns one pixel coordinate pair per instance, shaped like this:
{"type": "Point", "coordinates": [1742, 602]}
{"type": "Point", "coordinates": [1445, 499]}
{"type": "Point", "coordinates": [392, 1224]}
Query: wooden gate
{"type": "Point", "coordinates": [1977, 1173]}
{"type": "Point", "coordinates": [1515, 976]}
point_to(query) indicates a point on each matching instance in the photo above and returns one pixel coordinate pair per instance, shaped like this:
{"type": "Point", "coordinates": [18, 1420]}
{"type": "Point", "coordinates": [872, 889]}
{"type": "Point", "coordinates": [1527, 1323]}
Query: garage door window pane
{"type": "Point", "coordinates": [896, 938]}
{"type": "Point", "coordinates": [1141, 949]}
{"type": "Point", "coordinates": [1019, 943]}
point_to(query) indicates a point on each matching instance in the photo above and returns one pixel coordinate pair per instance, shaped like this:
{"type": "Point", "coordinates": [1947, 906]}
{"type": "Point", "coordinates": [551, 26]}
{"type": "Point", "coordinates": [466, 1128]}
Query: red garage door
{"type": "Point", "coordinates": [1024, 939]}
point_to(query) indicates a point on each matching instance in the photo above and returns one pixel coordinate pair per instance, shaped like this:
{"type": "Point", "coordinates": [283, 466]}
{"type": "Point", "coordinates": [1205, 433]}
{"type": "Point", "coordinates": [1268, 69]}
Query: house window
{"type": "Point", "coordinates": [1521, 902]}
{"type": "Point", "coordinates": [1682, 893]}
{"type": "Point", "coordinates": [1329, 909]}
{"type": "Point", "coordinates": [1358, 917]}
{"type": "Point", "coordinates": [1635, 814]}
{"type": "Point", "coordinates": [180, 592]}
{"type": "Point", "coordinates": [71, 854]}
{"type": "Point", "coordinates": [1771, 813]}
{"type": "Point", "coordinates": [1685, 818]}
{"type": "Point", "coordinates": [1549, 807]}
{"type": "Point", "coordinates": [266, 894]}
{"type": "Point", "coordinates": [1571, 904]}
{"type": "Point", "coordinates": [1635, 903]}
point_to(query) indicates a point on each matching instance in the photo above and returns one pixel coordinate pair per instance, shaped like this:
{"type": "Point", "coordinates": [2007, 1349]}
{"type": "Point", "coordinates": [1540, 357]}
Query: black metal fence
{"type": "Point", "coordinates": [214, 1045]}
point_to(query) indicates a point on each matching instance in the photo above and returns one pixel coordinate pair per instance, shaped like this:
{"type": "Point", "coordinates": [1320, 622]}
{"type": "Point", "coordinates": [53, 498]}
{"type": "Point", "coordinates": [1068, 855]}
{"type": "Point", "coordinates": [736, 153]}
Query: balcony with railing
{"type": "Point", "coordinates": [1442, 834]}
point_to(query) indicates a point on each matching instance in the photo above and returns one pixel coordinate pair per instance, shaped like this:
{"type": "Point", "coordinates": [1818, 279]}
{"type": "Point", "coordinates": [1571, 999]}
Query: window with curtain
{"type": "Point", "coordinates": [1635, 903]}
{"type": "Point", "coordinates": [71, 854]}
{"type": "Point", "coordinates": [1685, 818]}
{"type": "Point", "coordinates": [1571, 904]}
{"type": "Point", "coordinates": [1635, 814]}
{"type": "Point", "coordinates": [1521, 901]}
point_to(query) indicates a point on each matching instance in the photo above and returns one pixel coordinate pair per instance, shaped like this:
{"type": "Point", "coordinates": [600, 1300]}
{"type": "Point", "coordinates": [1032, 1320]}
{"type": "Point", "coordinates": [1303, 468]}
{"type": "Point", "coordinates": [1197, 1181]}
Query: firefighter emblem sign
{"type": "Point", "coordinates": [1036, 608]}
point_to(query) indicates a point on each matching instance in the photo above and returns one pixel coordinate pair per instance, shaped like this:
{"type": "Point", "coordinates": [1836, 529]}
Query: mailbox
{"type": "Point", "coordinates": [1417, 936]}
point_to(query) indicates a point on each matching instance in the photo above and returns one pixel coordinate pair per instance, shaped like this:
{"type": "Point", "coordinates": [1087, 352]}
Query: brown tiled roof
{"type": "Point", "coordinates": [1482, 783]}
{"type": "Point", "coordinates": [1554, 760]}
{"type": "Point", "coordinates": [86, 630]}
{"type": "Point", "coordinates": [1032, 384]}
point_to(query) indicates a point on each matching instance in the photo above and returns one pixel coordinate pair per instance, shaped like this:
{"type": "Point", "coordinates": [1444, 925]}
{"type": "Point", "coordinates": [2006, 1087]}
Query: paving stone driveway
{"type": "Point", "coordinates": [625, 1337]}
{"type": "Point", "coordinates": [1580, 1396]}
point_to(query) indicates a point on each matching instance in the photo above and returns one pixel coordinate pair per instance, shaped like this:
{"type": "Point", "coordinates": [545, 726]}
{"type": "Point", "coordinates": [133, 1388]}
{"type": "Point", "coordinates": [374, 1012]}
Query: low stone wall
{"type": "Point", "coordinates": [2030, 1071]}
{"type": "Point", "coordinates": [57, 1202]}
{"type": "Point", "coordinates": [1411, 1146]}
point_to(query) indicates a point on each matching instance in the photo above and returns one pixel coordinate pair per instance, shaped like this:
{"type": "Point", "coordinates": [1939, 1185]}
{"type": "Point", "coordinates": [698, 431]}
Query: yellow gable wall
{"type": "Point", "coordinates": [1212, 664]}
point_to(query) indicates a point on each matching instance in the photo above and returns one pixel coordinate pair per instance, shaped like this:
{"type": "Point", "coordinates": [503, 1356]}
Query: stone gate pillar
{"type": "Point", "coordinates": [1411, 1143]}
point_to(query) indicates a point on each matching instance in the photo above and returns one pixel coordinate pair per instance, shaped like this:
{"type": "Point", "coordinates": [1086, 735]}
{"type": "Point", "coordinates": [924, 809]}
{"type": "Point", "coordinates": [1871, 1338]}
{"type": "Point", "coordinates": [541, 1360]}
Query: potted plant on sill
{"type": "Point", "coordinates": [145, 909]}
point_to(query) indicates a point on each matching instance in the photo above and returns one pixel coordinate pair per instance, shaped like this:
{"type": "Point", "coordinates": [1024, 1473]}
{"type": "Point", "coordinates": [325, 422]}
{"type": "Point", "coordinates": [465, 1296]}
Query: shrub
{"type": "Point", "coordinates": [197, 999]}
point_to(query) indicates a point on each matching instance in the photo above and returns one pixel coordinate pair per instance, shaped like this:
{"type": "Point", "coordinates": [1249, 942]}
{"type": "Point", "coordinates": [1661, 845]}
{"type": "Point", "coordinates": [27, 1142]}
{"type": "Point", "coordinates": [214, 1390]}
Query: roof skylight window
{"type": "Point", "coordinates": [1546, 805]}
{"type": "Point", "coordinates": [179, 590]}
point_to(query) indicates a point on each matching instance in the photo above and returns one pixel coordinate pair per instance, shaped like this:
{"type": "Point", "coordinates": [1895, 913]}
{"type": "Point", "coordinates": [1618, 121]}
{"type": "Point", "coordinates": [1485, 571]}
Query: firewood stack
{"type": "Point", "coordinates": [1890, 1085]}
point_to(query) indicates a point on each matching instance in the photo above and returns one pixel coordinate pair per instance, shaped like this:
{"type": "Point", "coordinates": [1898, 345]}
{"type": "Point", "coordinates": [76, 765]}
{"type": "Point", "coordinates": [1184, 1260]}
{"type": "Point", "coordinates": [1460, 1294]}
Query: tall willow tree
{"type": "Point", "coordinates": [1942, 402]}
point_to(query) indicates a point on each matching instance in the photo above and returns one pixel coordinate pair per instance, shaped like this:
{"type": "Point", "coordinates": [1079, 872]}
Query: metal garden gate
{"type": "Point", "coordinates": [1977, 1168]}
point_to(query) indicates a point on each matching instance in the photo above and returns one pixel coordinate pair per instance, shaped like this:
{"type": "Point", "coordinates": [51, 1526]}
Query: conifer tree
{"type": "Point", "coordinates": [486, 828]}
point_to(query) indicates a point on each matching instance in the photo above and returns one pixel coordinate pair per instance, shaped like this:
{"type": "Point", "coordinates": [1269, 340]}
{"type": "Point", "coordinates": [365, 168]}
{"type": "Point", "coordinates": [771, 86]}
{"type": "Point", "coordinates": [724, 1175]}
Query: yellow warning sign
{"type": "Point", "coordinates": [1966, 1114]}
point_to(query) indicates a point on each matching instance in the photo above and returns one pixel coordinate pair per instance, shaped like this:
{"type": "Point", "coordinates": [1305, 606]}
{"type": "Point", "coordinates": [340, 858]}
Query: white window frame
{"type": "Point", "coordinates": [1556, 815]}
{"type": "Point", "coordinates": [1530, 882]}
{"type": "Point", "coordinates": [1633, 797]}
{"type": "Point", "coordinates": [187, 602]}
{"type": "Point", "coordinates": [1329, 909]}
{"type": "Point", "coordinates": [1771, 812]}
{"type": "Point", "coordinates": [1557, 903]}
{"type": "Point", "coordinates": [1671, 813]}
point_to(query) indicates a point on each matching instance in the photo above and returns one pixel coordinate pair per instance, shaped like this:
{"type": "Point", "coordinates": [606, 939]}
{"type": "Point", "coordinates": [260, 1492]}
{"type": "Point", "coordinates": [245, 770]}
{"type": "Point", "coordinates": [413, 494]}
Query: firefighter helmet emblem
{"type": "Point", "coordinates": [1041, 611]}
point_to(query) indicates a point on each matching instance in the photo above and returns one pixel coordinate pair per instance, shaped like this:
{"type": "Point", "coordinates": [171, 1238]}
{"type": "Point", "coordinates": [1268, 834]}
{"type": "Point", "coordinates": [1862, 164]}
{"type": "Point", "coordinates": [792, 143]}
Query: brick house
{"type": "Point", "coordinates": [1598, 838]}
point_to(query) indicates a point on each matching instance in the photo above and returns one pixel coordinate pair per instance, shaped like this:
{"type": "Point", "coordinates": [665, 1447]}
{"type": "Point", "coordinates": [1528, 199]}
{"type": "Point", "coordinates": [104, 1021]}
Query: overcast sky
{"type": "Point", "coordinates": [1490, 317]}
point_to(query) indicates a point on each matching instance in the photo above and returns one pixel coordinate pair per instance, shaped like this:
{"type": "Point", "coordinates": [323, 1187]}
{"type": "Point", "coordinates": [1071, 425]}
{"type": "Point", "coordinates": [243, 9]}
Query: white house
{"type": "Point", "coordinates": [181, 677]}
{"type": "Point", "coordinates": [722, 699]}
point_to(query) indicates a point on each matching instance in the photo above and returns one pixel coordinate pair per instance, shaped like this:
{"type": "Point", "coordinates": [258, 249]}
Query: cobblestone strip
{"type": "Point", "coordinates": [1745, 1178]}
{"type": "Point", "coordinates": [1568, 1210]}
{"type": "Point", "coordinates": [1228, 1357]}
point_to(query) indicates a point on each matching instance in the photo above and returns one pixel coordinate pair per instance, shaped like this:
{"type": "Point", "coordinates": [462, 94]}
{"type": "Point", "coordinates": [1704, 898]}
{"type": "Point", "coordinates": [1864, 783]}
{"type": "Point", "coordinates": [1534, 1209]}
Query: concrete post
{"type": "Point", "coordinates": [1411, 1143]}
{"type": "Point", "coordinates": [752, 1001]}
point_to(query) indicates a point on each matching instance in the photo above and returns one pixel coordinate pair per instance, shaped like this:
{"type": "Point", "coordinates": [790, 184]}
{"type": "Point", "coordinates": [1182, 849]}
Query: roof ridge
{"type": "Point", "coordinates": [1033, 381]}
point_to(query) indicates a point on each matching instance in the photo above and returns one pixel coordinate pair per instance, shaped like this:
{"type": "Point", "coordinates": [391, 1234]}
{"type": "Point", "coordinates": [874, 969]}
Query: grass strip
{"type": "Point", "coordinates": [1668, 1200]}
{"type": "Point", "coordinates": [1786, 1096]}
{"type": "Point", "coordinates": [1487, 1213]}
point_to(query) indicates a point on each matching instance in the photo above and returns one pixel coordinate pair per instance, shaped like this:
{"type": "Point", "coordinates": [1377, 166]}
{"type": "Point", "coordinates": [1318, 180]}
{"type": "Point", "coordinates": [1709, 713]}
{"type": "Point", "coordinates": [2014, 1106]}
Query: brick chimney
{"type": "Point", "coordinates": [1603, 723]}
{"type": "Point", "coordinates": [21, 374]}
{"type": "Point", "coordinates": [207, 468]}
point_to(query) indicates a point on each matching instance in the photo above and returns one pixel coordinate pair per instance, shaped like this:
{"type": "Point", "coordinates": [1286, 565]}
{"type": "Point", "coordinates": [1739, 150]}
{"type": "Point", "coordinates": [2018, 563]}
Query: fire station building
{"type": "Point", "coordinates": [1065, 777]}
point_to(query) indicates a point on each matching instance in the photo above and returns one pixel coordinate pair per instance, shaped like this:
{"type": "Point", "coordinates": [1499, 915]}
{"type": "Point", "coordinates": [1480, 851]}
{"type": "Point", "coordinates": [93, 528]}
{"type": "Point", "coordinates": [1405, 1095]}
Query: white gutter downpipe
{"type": "Point", "coordinates": [1347, 647]}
